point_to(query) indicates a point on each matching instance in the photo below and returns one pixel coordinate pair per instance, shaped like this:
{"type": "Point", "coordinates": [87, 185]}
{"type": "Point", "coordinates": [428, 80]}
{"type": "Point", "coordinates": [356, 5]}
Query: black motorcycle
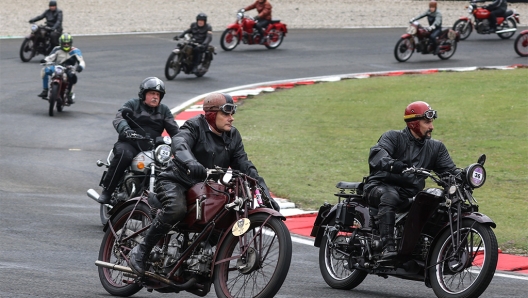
{"type": "Point", "coordinates": [442, 239]}
{"type": "Point", "coordinates": [38, 42]}
{"type": "Point", "coordinates": [181, 59]}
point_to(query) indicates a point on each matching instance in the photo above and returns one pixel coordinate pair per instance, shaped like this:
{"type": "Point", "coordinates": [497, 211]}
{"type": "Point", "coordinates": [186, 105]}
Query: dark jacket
{"type": "Point", "coordinates": [263, 9]}
{"type": "Point", "coordinates": [497, 4]}
{"type": "Point", "coordinates": [151, 120]}
{"type": "Point", "coordinates": [401, 145]}
{"type": "Point", "coordinates": [201, 35]}
{"type": "Point", "coordinates": [53, 19]}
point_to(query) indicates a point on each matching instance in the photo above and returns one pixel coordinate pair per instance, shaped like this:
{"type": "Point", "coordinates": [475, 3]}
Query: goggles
{"type": "Point", "coordinates": [429, 114]}
{"type": "Point", "coordinates": [228, 108]}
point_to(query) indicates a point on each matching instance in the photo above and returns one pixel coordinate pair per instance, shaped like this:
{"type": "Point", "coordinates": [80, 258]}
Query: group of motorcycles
{"type": "Point", "coordinates": [417, 37]}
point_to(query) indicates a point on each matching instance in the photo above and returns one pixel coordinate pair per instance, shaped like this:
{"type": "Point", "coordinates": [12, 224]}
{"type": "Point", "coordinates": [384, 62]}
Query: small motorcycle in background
{"type": "Point", "coordinates": [38, 42]}
{"type": "Point", "coordinates": [181, 59]}
{"type": "Point", "coordinates": [243, 30]}
{"type": "Point", "coordinates": [521, 44]}
{"type": "Point", "coordinates": [417, 39]}
{"type": "Point", "coordinates": [58, 86]}
{"type": "Point", "coordinates": [478, 19]}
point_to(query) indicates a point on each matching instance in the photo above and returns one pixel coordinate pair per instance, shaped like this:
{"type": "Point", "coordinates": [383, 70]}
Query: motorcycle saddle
{"type": "Point", "coordinates": [275, 21]}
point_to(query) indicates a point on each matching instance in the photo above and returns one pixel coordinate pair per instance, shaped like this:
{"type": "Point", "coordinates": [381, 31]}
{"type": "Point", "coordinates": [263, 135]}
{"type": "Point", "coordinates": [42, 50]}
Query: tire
{"type": "Point", "coordinates": [266, 272]}
{"type": "Point", "coordinates": [521, 45]}
{"type": "Point", "coordinates": [27, 50]}
{"type": "Point", "coordinates": [477, 265]}
{"type": "Point", "coordinates": [114, 281]}
{"type": "Point", "coordinates": [275, 38]}
{"type": "Point", "coordinates": [172, 67]}
{"type": "Point", "coordinates": [53, 98]}
{"type": "Point", "coordinates": [464, 32]}
{"type": "Point", "coordinates": [103, 213]}
{"type": "Point", "coordinates": [404, 49]}
{"type": "Point", "coordinates": [334, 269]}
{"type": "Point", "coordinates": [448, 54]}
{"type": "Point", "coordinates": [508, 24]}
{"type": "Point", "coordinates": [229, 40]}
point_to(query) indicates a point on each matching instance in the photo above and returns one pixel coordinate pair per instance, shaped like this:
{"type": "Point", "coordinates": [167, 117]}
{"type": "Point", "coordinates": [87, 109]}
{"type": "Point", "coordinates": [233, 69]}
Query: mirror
{"type": "Point", "coordinates": [482, 159]}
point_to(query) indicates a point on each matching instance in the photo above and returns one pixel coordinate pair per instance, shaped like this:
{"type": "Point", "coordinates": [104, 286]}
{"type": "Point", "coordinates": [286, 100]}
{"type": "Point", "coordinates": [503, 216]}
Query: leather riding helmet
{"type": "Point", "coordinates": [415, 111]}
{"type": "Point", "coordinates": [151, 83]}
{"type": "Point", "coordinates": [65, 42]}
{"type": "Point", "coordinates": [432, 4]}
{"type": "Point", "coordinates": [201, 16]}
{"type": "Point", "coordinates": [52, 3]}
{"type": "Point", "coordinates": [215, 102]}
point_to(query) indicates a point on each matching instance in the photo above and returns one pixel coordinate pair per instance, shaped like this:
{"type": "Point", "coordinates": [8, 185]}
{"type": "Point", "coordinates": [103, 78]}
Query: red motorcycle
{"type": "Point", "coordinates": [478, 19]}
{"type": "Point", "coordinates": [36, 43]}
{"type": "Point", "coordinates": [243, 30]}
{"type": "Point", "coordinates": [417, 38]}
{"type": "Point", "coordinates": [521, 44]}
{"type": "Point", "coordinates": [57, 96]}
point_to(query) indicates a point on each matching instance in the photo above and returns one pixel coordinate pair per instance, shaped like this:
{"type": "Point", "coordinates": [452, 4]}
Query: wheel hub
{"type": "Point", "coordinates": [249, 262]}
{"type": "Point", "coordinates": [459, 262]}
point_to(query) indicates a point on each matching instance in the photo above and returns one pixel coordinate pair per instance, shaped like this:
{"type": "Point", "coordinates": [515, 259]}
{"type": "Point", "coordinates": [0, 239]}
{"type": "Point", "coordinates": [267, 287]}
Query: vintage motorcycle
{"type": "Point", "coordinates": [521, 44]}
{"type": "Point", "coordinates": [229, 238]}
{"type": "Point", "coordinates": [417, 38]}
{"type": "Point", "coordinates": [38, 42]}
{"type": "Point", "coordinates": [442, 239]}
{"type": "Point", "coordinates": [478, 19]}
{"type": "Point", "coordinates": [243, 30]}
{"type": "Point", "coordinates": [181, 58]}
{"type": "Point", "coordinates": [141, 173]}
{"type": "Point", "coordinates": [58, 96]}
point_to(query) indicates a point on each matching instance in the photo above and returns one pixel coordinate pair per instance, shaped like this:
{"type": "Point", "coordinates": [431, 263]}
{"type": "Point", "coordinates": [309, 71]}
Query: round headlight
{"type": "Point", "coordinates": [411, 30]}
{"type": "Point", "coordinates": [167, 140]}
{"type": "Point", "coordinates": [163, 153]}
{"type": "Point", "coordinates": [475, 175]}
{"type": "Point", "coordinates": [59, 70]}
{"type": "Point", "coordinates": [34, 28]}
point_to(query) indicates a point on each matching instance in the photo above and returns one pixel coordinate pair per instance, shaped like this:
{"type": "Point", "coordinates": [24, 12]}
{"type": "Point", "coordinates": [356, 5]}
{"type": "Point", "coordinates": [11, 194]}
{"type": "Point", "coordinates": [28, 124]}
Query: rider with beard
{"type": "Point", "coordinates": [202, 33]}
{"type": "Point", "coordinates": [497, 9]}
{"type": "Point", "coordinates": [264, 16]}
{"type": "Point", "coordinates": [434, 17]}
{"type": "Point", "coordinates": [204, 141]}
{"type": "Point", "coordinates": [53, 17]}
{"type": "Point", "coordinates": [396, 150]}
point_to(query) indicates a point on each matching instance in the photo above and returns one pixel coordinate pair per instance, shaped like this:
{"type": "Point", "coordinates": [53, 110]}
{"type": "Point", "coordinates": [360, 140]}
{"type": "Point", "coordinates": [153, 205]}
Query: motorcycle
{"type": "Point", "coordinates": [58, 96]}
{"type": "Point", "coordinates": [139, 176]}
{"type": "Point", "coordinates": [181, 58]}
{"type": "Point", "coordinates": [478, 19]}
{"type": "Point", "coordinates": [38, 42]}
{"type": "Point", "coordinates": [229, 238]}
{"type": "Point", "coordinates": [243, 30]}
{"type": "Point", "coordinates": [521, 44]}
{"type": "Point", "coordinates": [442, 238]}
{"type": "Point", "coordinates": [417, 38]}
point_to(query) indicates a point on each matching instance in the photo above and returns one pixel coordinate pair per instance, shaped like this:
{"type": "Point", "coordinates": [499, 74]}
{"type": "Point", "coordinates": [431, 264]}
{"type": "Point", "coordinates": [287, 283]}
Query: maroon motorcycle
{"type": "Point", "coordinates": [417, 39]}
{"type": "Point", "coordinates": [38, 42]}
{"type": "Point", "coordinates": [58, 86]}
{"type": "Point", "coordinates": [478, 19]}
{"type": "Point", "coordinates": [243, 30]}
{"type": "Point", "coordinates": [521, 44]}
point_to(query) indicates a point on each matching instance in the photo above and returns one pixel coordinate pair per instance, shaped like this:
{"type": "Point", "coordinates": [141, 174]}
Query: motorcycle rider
{"type": "Point", "coordinates": [497, 9]}
{"type": "Point", "coordinates": [434, 17]}
{"type": "Point", "coordinates": [65, 54]}
{"type": "Point", "coordinates": [204, 141]}
{"type": "Point", "coordinates": [53, 17]}
{"type": "Point", "coordinates": [202, 33]}
{"type": "Point", "coordinates": [263, 18]}
{"type": "Point", "coordinates": [396, 150]}
{"type": "Point", "coordinates": [150, 117]}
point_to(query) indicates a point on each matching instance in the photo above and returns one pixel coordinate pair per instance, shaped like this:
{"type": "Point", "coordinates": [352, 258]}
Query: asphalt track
{"type": "Point", "coordinates": [50, 230]}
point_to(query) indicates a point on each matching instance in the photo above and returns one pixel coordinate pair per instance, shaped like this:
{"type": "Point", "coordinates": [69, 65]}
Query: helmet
{"type": "Point", "coordinates": [416, 111]}
{"type": "Point", "coordinates": [52, 3]}
{"type": "Point", "coordinates": [151, 83]}
{"type": "Point", "coordinates": [215, 102]}
{"type": "Point", "coordinates": [201, 16]}
{"type": "Point", "coordinates": [66, 41]}
{"type": "Point", "coordinates": [432, 4]}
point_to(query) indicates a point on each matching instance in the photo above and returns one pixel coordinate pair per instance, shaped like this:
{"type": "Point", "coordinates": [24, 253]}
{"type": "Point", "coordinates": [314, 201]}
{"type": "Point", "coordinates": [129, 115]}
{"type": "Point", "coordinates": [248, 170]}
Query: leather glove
{"type": "Point", "coordinates": [43, 61]}
{"type": "Point", "coordinates": [201, 47]}
{"type": "Point", "coordinates": [176, 37]}
{"type": "Point", "coordinates": [196, 170]}
{"type": "Point", "coordinates": [267, 194]}
{"type": "Point", "coordinates": [78, 68]}
{"type": "Point", "coordinates": [398, 166]}
{"type": "Point", "coordinates": [30, 22]}
{"type": "Point", "coordinates": [129, 134]}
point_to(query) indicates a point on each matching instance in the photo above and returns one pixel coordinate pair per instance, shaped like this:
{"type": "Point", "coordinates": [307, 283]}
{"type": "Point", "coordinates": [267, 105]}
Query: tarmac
{"type": "Point", "coordinates": [298, 221]}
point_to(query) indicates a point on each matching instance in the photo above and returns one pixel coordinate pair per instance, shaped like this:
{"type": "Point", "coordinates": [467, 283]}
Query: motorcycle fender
{"type": "Point", "coordinates": [464, 19]}
{"type": "Point", "coordinates": [176, 51]}
{"type": "Point", "coordinates": [407, 35]}
{"type": "Point", "coordinates": [121, 205]}
{"type": "Point", "coordinates": [515, 16]}
{"type": "Point", "coordinates": [326, 213]}
{"type": "Point", "coordinates": [234, 26]}
{"type": "Point", "coordinates": [281, 27]}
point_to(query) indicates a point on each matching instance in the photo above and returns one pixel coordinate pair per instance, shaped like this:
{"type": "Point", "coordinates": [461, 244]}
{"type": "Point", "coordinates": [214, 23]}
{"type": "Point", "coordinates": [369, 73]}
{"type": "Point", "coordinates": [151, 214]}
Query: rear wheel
{"type": "Point", "coordinates": [27, 50]}
{"type": "Point", "coordinates": [521, 45]}
{"type": "Point", "coordinates": [229, 40]}
{"type": "Point", "coordinates": [172, 67]}
{"type": "Point", "coordinates": [464, 28]}
{"type": "Point", "coordinates": [447, 49]}
{"type": "Point", "coordinates": [275, 38]}
{"type": "Point", "coordinates": [507, 24]}
{"type": "Point", "coordinates": [404, 49]}
{"type": "Point", "coordinates": [54, 96]}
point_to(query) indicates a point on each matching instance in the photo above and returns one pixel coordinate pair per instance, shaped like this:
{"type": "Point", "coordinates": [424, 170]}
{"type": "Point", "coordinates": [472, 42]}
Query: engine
{"type": "Point", "coordinates": [483, 25]}
{"type": "Point", "coordinates": [200, 262]}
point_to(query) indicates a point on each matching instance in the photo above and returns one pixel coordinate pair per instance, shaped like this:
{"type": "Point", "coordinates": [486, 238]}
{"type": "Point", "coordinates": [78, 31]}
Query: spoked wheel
{"type": "Point", "coordinates": [172, 67]}
{"type": "Point", "coordinates": [262, 268]}
{"type": "Point", "coordinates": [464, 28]}
{"type": "Point", "coordinates": [404, 49]}
{"type": "Point", "coordinates": [507, 24]}
{"type": "Point", "coordinates": [521, 45]}
{"type": "Point", "coordinates": [53, 98]}
{"type": "Point", "coordinates": [275, 38]}
{"type": "Point", "coordinates": [127, 222]}
{"type": "Point", "coordinates": [27, 50]}
{"type": "Point", "coordinates": [447, 49]}
{"type": "Point", "coordinates": [229, 40]}
{"type": "Point", "coordinates": [468, 271]}
{"type": "Point", "coordinates": [333, 264]}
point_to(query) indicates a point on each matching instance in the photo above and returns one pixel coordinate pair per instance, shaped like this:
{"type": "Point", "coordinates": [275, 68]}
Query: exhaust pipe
{"type": "Point", "coordinates": [506, 30]}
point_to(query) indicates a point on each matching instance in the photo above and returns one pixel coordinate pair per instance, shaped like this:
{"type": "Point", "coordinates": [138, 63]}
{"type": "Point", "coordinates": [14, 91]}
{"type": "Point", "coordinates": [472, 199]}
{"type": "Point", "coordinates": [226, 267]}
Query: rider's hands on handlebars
{"type": "Point", "coordinates": [129, 134]}
{"type": "Point", "coordinates": [43, 61]}
{"type": "Point", "coordinates": [429, 28]}
{"type": "Point", "coordinates": [196, 169]}
{"type": "Point", "coordinates": [78, 68]}
{"type": "Point", "coordinates": [398, 166]}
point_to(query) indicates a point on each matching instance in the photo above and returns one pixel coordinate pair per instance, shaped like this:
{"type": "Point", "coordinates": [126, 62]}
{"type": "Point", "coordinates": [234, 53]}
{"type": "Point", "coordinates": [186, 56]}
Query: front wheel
{"type": "Point", "coordinates": [275, 38]}
{"type": "Point", "coordinates": [172, 67]}
{"type": "Point", "coordinates": [53, 98]}
{"type": "Point", "coordinates": [464, 28]}
{"type": "Point", "coordinates": [508, 24]}
{"type": "Point", "coordinates": [404, 49]}
{"type": "Point", "coordinates": [521, 45]}
{"type": "Point", "coordinates": [447, 49]}
{"type": "Point", "coordinates": [27, 50]}
{"type": "Point", "coordinates": [467, 270]}
{"type": "Point", "coordinates": [113, 250]}
{"type": "Point", "coordinates": [259, 263]}
{"type": "Point", "coordinates": [229, 40]}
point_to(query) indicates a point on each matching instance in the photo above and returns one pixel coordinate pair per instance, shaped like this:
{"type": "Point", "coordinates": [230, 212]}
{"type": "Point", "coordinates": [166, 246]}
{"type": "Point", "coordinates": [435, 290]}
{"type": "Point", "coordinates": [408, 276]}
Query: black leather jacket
{"type": "Point", "coordinates": [401, 145]}
{"type": "Point", "coordinates": [53, 19]}
{"type": "Point", "coordinates": [200, 34]}
{"type": "Point", "coordinates": [498, 4]}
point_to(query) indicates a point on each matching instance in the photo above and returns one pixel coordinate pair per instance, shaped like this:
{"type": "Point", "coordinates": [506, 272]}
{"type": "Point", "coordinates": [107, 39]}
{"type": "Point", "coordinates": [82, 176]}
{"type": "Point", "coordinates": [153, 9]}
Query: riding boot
{"type": "Point", "coordinates": [43, 94]}
{"type": "Point", "coordinates": [386, 226]}
{"type": "Point", "coordinates": [140, 254]}
{"type": "Point", "coordinates": [105, 197]}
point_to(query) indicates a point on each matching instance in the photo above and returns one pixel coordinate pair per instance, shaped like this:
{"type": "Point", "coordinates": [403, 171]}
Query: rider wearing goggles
{"type": "Point", "coordinates": [219, 102]}
{"type": "Point", "coordinates": [416, 111]}
{"type": "Point", "coordinates": [429, 114]}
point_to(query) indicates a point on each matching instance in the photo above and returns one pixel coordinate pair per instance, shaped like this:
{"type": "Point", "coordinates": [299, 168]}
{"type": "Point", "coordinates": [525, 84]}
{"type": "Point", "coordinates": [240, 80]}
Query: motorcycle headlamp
{"type": "Point", "coordinates": [59, 70]}
{"type": "Point", "coordinates": [412, 30]}
{"type": "Point", "coordinates": [162, 153]}
{"type": "Point", "coordinates": [34, 28]}
{"type": "Point", "coordinates": [475, 175]}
